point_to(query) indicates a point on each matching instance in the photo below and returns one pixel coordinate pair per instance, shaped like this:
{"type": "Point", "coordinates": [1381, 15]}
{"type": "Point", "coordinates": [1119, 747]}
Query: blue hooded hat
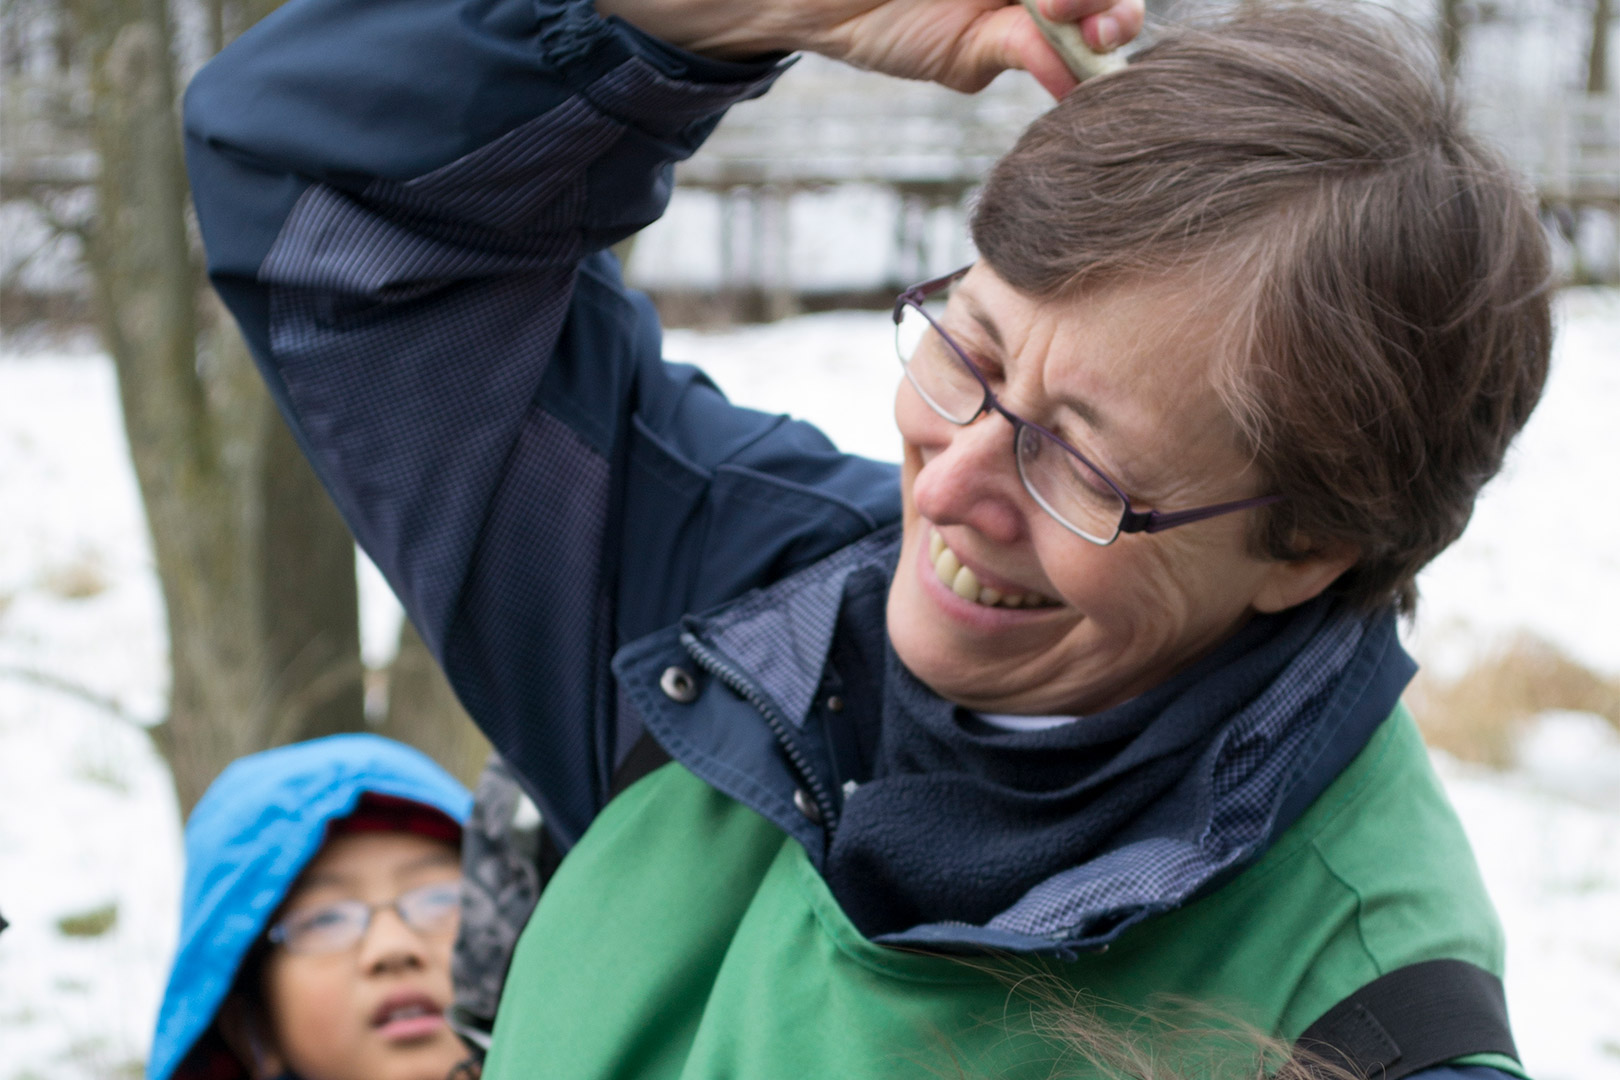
{"type": "Point", "coordinates": [249, 837]}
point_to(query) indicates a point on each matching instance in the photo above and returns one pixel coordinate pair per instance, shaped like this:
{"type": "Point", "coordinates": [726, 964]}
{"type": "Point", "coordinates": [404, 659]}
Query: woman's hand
{"type": "Point", "coordinates": [962, 44]}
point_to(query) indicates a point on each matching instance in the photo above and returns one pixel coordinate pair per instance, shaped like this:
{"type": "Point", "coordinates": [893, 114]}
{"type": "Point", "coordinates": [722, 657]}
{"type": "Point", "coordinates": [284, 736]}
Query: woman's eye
{"type": "Point", "coordinates": [1082, 480]}
{"type": "Point", "coordinates": [1081, 475]}
{"type": "Point", "coordinates": [989, 367]}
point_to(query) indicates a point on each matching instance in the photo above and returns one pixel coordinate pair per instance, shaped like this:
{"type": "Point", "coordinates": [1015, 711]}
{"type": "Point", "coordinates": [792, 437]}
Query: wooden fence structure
{"type": "Point", "coordinates": [827, 126]}
{"type": "Point", "coordinates": [931, 148]}
{"type": "Point", "coordinates": [1568, 145]}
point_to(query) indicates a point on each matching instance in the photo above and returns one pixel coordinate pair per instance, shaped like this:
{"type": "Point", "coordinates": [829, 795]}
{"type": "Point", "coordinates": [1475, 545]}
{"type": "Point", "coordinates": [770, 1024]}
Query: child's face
{"type": "Point", "coordinates": [373, 1010]}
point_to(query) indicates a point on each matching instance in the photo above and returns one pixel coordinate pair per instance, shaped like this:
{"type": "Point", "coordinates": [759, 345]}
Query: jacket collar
{"type": "Point", "coordinates": [765, 656]}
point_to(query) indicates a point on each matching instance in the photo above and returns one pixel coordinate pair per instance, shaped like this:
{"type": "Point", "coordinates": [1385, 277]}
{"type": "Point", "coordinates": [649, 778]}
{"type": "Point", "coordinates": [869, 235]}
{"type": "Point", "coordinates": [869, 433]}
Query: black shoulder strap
{"type": "Point", "coordinates": [644, 757]}
{"type": "Point", "coordinates": [1415, 1017]}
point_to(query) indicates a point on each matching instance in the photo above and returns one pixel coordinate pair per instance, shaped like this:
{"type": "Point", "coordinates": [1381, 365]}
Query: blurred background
{"type": "Point", "coordinates": [176, 591]}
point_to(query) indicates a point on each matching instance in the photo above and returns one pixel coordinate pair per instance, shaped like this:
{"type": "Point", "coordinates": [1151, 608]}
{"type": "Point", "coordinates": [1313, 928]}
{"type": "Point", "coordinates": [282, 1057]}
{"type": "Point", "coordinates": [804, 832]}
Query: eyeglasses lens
{"type": "Point", "coordinates": [934, 369]}
{"type": "Point", "coordinates": [1065, 486]}
{"type": "Point", "coordinates": [1074, 494]}
{"type": "Point", "coordinates": [432, 909]}
{"type": "Point", "coordinates": [328, 929]}
{"type": "Point", "coordinates": [429, 909]}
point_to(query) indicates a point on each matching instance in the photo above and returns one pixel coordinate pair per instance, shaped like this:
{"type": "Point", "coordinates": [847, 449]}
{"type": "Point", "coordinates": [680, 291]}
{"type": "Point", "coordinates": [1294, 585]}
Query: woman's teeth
{"type": "Point", "coordinates": [965, 583]}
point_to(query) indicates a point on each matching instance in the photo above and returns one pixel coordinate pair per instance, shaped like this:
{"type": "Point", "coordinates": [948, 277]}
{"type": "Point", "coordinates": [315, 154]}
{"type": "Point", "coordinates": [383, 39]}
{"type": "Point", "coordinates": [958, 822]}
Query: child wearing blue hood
{"type": "Point", "coordinates": [321, 899]}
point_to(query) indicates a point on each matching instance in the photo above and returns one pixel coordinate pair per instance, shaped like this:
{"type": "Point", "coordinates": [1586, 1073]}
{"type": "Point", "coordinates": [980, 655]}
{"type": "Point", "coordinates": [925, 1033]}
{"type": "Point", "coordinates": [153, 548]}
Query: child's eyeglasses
{"type": "Point", "coordinates": [428, 909]}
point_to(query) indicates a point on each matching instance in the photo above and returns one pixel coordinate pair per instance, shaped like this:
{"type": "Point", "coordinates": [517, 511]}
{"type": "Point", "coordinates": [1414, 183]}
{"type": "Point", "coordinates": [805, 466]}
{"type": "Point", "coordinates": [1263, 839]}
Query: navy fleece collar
{"type": "Point", "coordinates": [1067, 837]}
{"type": "Point", "coordinates": [1259, 729]}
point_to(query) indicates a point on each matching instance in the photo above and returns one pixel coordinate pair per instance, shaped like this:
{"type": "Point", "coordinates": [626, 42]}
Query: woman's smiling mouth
{"type": "Point", "coordinates": [965, 583]}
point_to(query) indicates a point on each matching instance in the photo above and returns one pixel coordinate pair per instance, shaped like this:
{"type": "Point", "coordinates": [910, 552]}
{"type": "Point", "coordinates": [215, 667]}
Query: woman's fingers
{"type": "Point", "coordinates": [997, 40]}
{"type": "Point", "coordinates": [1073, 10]}
{"type": "Point", "coordinates": [1028, 49]}
{"type": "Point", "coordinates": [1105, 24]}
{"type": "Point", "coordinates": [1113, 26]}
{"type": "Point", "coordinates": [1009, 38]}
{"type": "Point", "coordinates": [963, 44]}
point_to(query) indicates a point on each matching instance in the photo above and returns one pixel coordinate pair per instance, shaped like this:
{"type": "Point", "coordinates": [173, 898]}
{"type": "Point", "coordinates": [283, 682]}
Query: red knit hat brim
{"type": "Point", "coordinates": [387, 813]}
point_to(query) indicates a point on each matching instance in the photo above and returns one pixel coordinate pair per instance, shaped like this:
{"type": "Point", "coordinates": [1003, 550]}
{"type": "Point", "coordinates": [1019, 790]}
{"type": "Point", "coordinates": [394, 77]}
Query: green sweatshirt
{"type": "Point", "coordinates": [685, 936]}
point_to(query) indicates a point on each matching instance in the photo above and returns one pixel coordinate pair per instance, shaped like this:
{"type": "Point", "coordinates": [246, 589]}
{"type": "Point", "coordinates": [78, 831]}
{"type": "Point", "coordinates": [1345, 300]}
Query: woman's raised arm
{"type": "Point", "coordinates": [962, 44]}
{"type": "Point", "coordinates": [404, 204]}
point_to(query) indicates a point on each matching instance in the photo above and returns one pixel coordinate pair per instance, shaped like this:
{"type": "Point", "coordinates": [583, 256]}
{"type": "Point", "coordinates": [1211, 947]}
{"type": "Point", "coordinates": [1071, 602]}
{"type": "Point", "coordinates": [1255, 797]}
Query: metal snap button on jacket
{"type": "Point", "coordinates": [678, 685]}
{"type": "Point", "coordinates": [807, 806]}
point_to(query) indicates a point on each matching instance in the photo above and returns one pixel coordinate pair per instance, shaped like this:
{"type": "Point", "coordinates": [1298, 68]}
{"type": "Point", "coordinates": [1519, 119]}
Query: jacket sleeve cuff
{"type": "Point", "coordinates": [677, 63]}
{"type": "Point", "coordinates": [648, 83]}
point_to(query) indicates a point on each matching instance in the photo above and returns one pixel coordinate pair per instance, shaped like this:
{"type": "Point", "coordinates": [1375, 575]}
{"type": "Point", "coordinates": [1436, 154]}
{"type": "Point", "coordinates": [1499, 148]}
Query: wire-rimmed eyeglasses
{"type": "Point", "coordinates": [1058, 476]}
{"type": "Point", "coordinates": [427, 909]}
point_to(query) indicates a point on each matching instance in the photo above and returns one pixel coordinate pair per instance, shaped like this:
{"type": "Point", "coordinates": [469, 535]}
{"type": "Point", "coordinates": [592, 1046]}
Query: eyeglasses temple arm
{"type": "Point", "coordinates": [1152, 521]}
{"type": "Point", "coordinates": [921, 291]}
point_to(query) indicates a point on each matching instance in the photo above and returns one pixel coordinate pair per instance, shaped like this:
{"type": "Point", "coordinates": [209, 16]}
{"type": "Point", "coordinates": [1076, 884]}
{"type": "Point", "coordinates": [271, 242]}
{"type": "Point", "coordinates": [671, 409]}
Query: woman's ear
{"type": "Point", "coordinates": [244, 1030]}
{"type": "Point", "coordinates": [1294, 581]}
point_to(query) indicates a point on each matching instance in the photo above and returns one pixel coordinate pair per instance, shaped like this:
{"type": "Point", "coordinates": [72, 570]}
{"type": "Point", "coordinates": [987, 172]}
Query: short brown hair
{"type": "Point", "coordinates": [1390, 279]}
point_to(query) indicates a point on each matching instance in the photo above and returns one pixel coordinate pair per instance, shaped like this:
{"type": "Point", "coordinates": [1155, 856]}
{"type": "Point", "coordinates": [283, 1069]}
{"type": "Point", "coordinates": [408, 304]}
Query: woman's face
{"type": "Point", "coordinates": [1127, 374]}
{"type": "Point", "coordinates": [373, 1011]}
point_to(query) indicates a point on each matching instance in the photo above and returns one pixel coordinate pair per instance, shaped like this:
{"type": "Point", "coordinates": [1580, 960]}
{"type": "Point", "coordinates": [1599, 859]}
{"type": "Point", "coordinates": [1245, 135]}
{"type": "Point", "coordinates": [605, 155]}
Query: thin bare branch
{"type": "Point", "coordinates": [75, 690]}
{"type": "Point", "coordinates": [334, 681]}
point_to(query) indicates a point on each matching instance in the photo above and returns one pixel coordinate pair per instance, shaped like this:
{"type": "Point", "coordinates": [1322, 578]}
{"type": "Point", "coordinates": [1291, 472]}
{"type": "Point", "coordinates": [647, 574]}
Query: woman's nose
{"type": "Point", "coordinates": [970, 478]}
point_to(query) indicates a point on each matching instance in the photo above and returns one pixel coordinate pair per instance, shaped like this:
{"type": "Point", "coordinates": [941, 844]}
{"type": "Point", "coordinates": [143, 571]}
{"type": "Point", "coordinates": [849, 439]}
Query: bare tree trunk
{"type": "Point", "coordinates": [1451, 37]}
{"type": "Point", "coordinates": [424, 711]}
{"type": "Point", "coordinates": [256, 566]}
{"type": "Point", "coordinates": [1597, 56]}
{"type": "Point", "coordinates": [257, 569]}
{"type": "Point", "coordinates": [311, 602]}
{"type": "Point", "coordinates": [145, 281]}
{"type": "Point", "coordinates": [216, 25]}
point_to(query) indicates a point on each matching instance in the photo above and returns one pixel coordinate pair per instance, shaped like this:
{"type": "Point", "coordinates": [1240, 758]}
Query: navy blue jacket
{"type": "Point", "coordinates": [401, 210]}
{"type": "Point", "coordinates": [405, 206]}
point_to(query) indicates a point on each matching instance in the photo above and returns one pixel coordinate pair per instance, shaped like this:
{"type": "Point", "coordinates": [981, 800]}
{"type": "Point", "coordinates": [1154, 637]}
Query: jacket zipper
{"type": "Point", "coordinates": [717, 666]}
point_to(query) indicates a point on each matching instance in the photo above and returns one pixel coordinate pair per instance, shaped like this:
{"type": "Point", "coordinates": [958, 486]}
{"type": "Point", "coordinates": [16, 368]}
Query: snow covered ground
{"type": "Point", "coordinates": [87, 819]}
